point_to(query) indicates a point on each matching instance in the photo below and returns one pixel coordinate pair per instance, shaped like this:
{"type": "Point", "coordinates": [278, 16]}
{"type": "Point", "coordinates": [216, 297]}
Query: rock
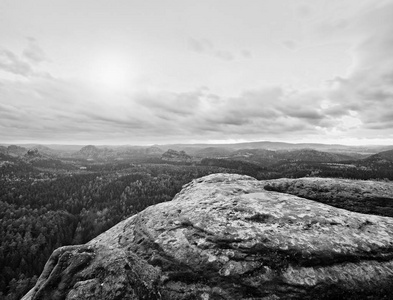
{"type": "Point", "coordinates": [176, 156]}
{"type": "Point", "coordinates": [95, 272]}
{"type": "Point", "coordinates": [91, 152]}
{"type": "Point", "coordinates": [153, 150]}
{"type": "Point", "coordinates": [14, 150]}
{"type": "Point", "coordinates": [226, 237]}
{"type": "Point", "coordinates": [364, 196]}
{"type": "Point", "coordinates": [32, 153]}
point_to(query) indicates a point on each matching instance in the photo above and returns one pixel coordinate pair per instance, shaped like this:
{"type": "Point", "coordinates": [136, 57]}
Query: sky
{"type": "Point", "coordinates": [181, 71]}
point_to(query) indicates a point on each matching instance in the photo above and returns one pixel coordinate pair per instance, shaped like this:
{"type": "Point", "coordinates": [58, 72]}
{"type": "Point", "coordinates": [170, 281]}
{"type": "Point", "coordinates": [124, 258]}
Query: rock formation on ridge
{"type": "Point", "coordinates": [176, 156]}
{"type": "Point", "coordinates": [225, 236]}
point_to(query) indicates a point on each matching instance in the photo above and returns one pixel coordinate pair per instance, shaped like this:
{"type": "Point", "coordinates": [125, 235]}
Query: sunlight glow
{"type": "Point", "coordinates": [113, 73]}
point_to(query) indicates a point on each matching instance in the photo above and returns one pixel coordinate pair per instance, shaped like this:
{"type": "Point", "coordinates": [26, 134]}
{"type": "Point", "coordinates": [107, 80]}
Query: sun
{"type": "Point", "coordinates": [112, 72]}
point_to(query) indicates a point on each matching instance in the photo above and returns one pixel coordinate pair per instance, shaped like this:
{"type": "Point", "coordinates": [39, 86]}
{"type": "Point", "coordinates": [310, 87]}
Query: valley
{"type": "Point", "coordinates": [55, 196]}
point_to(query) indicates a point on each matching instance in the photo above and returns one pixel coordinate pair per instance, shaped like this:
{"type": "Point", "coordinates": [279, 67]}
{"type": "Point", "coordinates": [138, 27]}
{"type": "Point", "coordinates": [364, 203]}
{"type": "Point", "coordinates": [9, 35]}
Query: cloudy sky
{"type": "Point", "coordinates": [168, 71]}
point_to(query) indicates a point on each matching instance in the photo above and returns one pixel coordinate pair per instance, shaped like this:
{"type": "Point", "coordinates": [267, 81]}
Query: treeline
{"type": "Point", "coordinates": [359, 173]}
{"type": "Point", "coordinates": [242, 167]}
{"type": "Point", "coordinates": [349, 170]}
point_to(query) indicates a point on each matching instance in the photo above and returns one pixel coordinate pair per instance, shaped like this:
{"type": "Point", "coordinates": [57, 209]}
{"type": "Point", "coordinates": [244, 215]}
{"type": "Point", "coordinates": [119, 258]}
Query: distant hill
{"type": "Point", "coordinates": [212, 152]}
{"type": "Point", "coordinates": [14, 164]}
{"type": "Point", "coordinates": [312, 155]}
{"type": "Point", "coordinates": [337, 148]}
{"type": "Point", "coordinates": [139, 151]}
{"type": "Point", "coordinates": [385, 157]}
{"type": "Point", "coordinates": [14, 150]}
{"type": "Point", "coordinates": [119, 152]}
{"type": "Point", "coordinates": [260, 156]}
{"type": "Point", "coordinates": [153, 150]}
{"type": "Point", "coordinates": [47, 151]}
{"type": "Point", "coordinates": [18, 151]}
{"type": "Point", "coordinates": [269, 157]}
{"type": "Point", "coordinates": [176, 156]}
{"type": "Point", "coordinates": [91, 152]}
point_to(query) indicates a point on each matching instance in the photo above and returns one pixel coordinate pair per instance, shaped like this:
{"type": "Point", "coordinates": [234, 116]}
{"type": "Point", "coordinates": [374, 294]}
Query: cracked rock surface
{"type": "Point", "coordinates": [225, 236]}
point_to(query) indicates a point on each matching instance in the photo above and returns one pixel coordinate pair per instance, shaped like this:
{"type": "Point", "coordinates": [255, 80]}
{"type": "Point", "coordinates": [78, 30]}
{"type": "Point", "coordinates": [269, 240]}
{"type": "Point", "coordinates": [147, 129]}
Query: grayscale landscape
{"type": "Point", "coordinates": [210, 150]}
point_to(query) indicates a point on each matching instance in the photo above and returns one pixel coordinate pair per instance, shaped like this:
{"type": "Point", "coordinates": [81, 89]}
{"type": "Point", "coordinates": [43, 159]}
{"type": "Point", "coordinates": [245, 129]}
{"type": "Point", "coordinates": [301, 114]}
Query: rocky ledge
{"type": "Point", "coordinates": [225, 236]}
{"type": "Point", "coordinates": [364, 196]}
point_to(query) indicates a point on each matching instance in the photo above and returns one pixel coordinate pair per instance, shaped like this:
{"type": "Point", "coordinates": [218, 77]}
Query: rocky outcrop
{"type": "Point", "coordinates": [95, 272]}
{"type": "Point", "coordinates": [227, 237]}
{"type": "Point", "coordinates": [364, 196]}
{"type": "Point", "coordinates": [91, 152]}
{"type": "Point", "coordinates": [176, 156]}
{"type": "Point", "coordinates": [14, 150]}
{"type": "Point", "coordinates": [153, 150]}
{"type": "Point", "coordinates": [32, 153]}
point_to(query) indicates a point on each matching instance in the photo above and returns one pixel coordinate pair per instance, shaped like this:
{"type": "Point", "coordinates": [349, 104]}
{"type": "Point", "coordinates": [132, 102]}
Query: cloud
{"type": "Point", "coordinates": [367, 92]}
{"type": "Point", "coordinates": [34, 52]}
{"type": "Point", "coordinates": [181, 104]}
{"type": "Point", "coordinates": [205, 46]}
{"type": "Point", "coordinates": [46, 108]}
{"type": "Point", "coordinates": [200, 46]}
{"type": "Point", "coordinates": [246, 53]}
{"type": "Point", "coordinates": [303, 11]}
{"type": "Point", "coordinates": [11, 63]}
{"type": "Point", "coordinates": [224, 55]}
{"type": "Point", "coordinates": [358, 105]}
{"type": "Point", "coordinates": [291, 45]}
{"type": "Point", "coordinates": [56, 105]}
{"type": "Point", "coordinates": [15, 64]}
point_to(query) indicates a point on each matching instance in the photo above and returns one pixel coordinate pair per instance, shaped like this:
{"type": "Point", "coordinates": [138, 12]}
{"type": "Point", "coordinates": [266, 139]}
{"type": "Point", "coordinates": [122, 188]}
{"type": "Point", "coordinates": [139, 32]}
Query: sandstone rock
{"type": "Point", "coordinates": [91, 152]}
{"type": "Point", "coordinates": [365, 196]}
{"type": "Point", "coordinates": [95, 272]}
{"type": "Point", "coordinates": [32, 153]}
{"type": "Point", "coordinates": [14, 150]}
{"type": "Point", "coordinates": [226, 237]}
{"type": "Point", "coordinates": [176, 156]}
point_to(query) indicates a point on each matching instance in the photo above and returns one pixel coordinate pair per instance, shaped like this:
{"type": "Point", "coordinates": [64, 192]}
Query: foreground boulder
{"type": "Point", "coordinates": [226, 237]}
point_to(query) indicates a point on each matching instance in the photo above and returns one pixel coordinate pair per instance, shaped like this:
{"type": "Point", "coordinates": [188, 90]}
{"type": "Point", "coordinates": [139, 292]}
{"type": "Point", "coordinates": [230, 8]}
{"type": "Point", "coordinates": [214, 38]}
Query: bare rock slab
{"type": "Point", "coordinates": [365, 196]}
{"type": "Point", "coordinates": [225, 236]}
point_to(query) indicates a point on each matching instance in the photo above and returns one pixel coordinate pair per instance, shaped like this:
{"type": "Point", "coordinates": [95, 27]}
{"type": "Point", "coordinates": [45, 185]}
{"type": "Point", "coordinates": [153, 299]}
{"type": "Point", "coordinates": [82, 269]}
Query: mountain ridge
{"type": "Point", "coordinates": [242, 145]}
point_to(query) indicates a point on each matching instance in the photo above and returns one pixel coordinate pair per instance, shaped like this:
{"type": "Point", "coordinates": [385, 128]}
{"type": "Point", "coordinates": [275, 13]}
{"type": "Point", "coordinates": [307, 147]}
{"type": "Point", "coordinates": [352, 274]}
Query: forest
{"type": "Point", "coordinates": [40, 211]}
{"type": "Point", "coordinates": [49, 204]}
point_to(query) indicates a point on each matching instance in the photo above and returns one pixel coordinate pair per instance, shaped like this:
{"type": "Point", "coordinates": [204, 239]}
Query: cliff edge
{"type": "Point", "coordinates": [225, 236]}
